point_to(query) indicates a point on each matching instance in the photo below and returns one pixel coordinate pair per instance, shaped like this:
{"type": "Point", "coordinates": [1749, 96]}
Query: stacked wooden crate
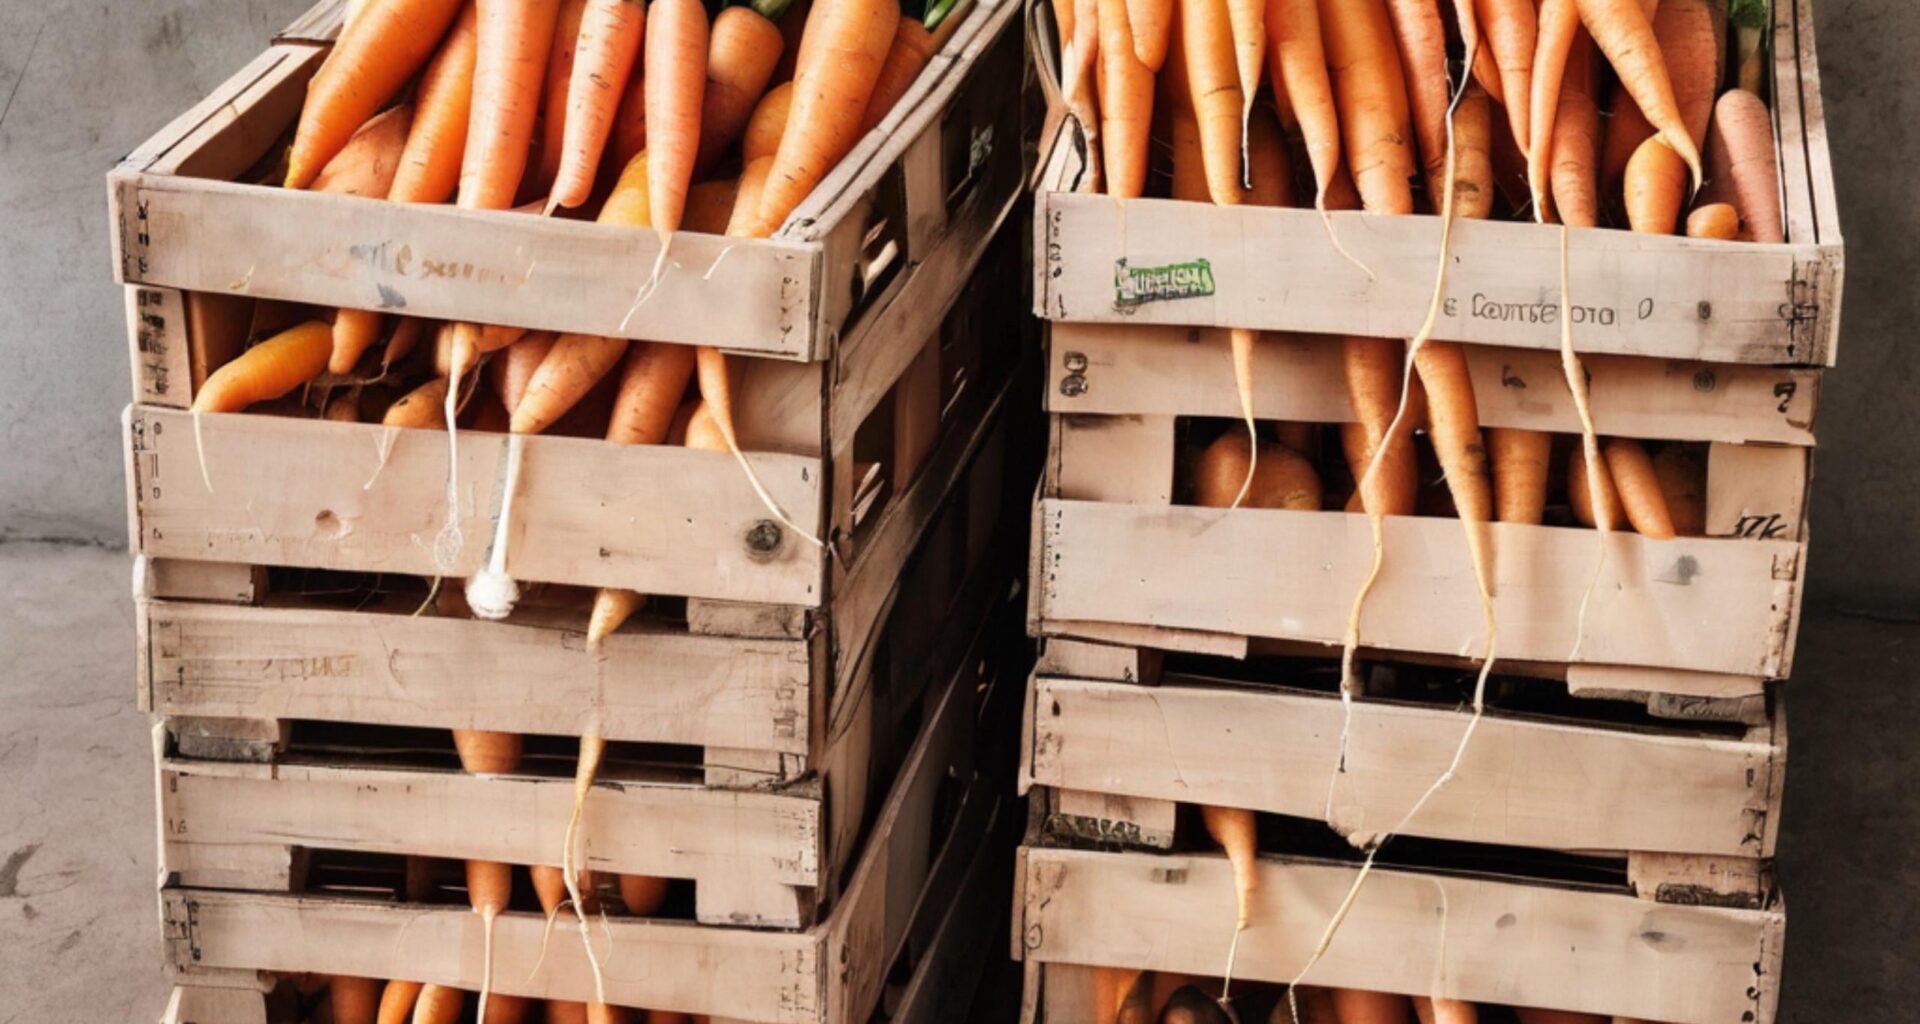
{"type": "Point", "coordinates": [800, 737]}
{"type": "Point", "coordinates": [1603, 843]}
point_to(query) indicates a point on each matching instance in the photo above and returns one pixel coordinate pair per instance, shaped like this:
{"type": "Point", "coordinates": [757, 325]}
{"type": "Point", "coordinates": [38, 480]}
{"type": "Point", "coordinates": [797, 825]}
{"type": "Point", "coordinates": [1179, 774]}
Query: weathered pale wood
{"type": "Point", "coordinates": [1701, 881]}
{"type": "Point", "coordinates": [162, 351]}
{"type": "Point", "coordinates": [1478, 939]}
{"type": "Point", "coordinates": [746, 619]}
{"type": "Point", "coordinates": [1138, 369]}
{"type": "Point", "coordinates": [372, 498]}
{"type": "Point", "coordinates": [674, 830]}
{"type": "Point", "coordinates": [1190, 641]}
{"type": "Point", "coordinates": [197, 1004]}
{"type": "Point", "coordinates": [1584, 679]}
{"type": "Point", "coordinates": [1106, 817]}
{"type": "Point", "coordinates": [1711, 605]}
{"type": "Point", "coordinates": [734, 768]}
{"type": "Point", "coordinates": [1126, 459]}
{"type": "Point", "coordinates": [954, 951]}
{"type": "Point", "coordinates": [214, 582]}
{"type": "Point", "coordinates": [1756, 492]}
{"type": "Point", "coordinates": [393, 669]}
{"type": "Point", "coordinates": [1523, 781]}
{"type": "Point", "coordinates": [772, 977]}
{"type": "Point", "coordinates": [252, 740]}
{"type": "Point", "coordinates": [1081, 660]}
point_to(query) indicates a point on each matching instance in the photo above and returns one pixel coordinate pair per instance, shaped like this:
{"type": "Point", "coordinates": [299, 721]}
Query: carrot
{"type": "Point", "coordinates": [1357, 1006]}
{"type": "Point", "coordinates": [629, 135]}
{"type": "Point", "coordinates": [1372, 98]}
{"type": "Point", "coordinates": [1750, 23]}
{"type": "Point", "coordinates": [355, 1000]}
{"type": "Point", "coordinates": [443, 104]}
{"type": "Point", "coordinates": [845, 47]}
{"type": "Point", "coordinates": [746, 200]}
{"type": "Point", "coordinates": [1246, 25]}
{"type": "Point", "coordinates": [1576, 140]}
{"type": "Point", "coordinates": [609, 42]}
{"type": "Point", "coordinates": [1312, 1005]}
{"type": "Point", "coordinates": [643, 895]}
{"type": "Point", "coordinates": [1206, 34]}
{"type": "Point", "coordinates": [1062, 24]}
{"type": "Point", "coordinates": [710, 206]}
{"type": "Point", "coordinates": [372, 60]}
{"type": "Point", "coordinates": [1559, 28]}
{"type": "Point", "coordinates": [1693, 44]}
{"type": "Point", "coordinates": [1111, 986]}
{"type": "Point", "coordinates": [1444, 1011]}
{"type": "Point", "coordinates": [343, 407]}
{"type": "Point", "coordinates": [1282, 478]}
{"type": "Point", "coordinates": [1656, 186]}
{"type": "Point", "coordinates": [1740, 143]}
{"type": "Point", "coordinates": [562, 1012]}
{"type": "Point", "coordinates": [422, 408]}
{"type": "Point", "coordinates": [366, 164]}
{"type": "Point", "coordinates": [570, 370]}
{"type": "Point", "coordinates": [1624, 33]}
{"type": "Point", "coordinates": [1298, 60]}
{"type": "Point", "coordinates": [631, 201]}
{"type": "Point", "coordinates": [1529, 1015]}
{"type": "Point", "coordinates": [510, 56]}
{"type": "Point", "coordinates": [406, 335]}
{"type": "Point", "coordinates": [1268, 168]}
{"type": "Point", "coordinates": [1372, 367]}
{"type": "Point", "coordinates": [1473, 190]}
{"type": "Point", "coordinates": [1580, 494]}
{"type": "Point", "coordinates": [512, 369]}
{"type": "Point", "coordinates": [1152, 22]}
{"type": "Point", "coordinates": [1079, 50]}
{"type": "Point", "coordinates": [354, 331]}
{"type": "Point", "coordinates": [438, 1004]}
{"type": "Point", "coordinates": [1512, 30]}
{"type": "Point", "coordinates": [1423, 50]}
{"type": "Point", "coordinates": [1189, 182]}
{"type": "Point", "coordinates": [1714, 220]}
{"type": "Point", "coordinates": [1683, 482]}
{"type": "Point", "coordinates": [1233, 829]}
{"type": "Point", "coordinates": [768, 123]}
{"type": "Point", "coordinates": [1453, 423]}
{"type": "Point", "coordinates": [269, 369]}
{"type": "Point", "coordinates": [397, 1001]}
{"type": "Point", "coordinates": [913, 49]}
{"type": "Point", "coordinates": [793, 26]}
{"type": "Point", "coordinates": [651, 383]}
{"type": "Point", "coordinates": [1519, 473]}
{"type": "Point", "coordinates": [551, 143]}
{"type": "Point", "coordinates": [1639, 489]}
{"type": "Point", "coordinates": [742, 52]}
{"type": "Point", "coordinates": [1126, 103]}
{"type": "Point", "coordinates": [676, 75]}
{"type": "Point", "coordinates": [489, 890]}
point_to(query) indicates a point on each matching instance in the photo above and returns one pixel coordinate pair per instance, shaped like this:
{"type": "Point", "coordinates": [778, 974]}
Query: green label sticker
{"type": "Point", "coordinates": [1136, 286]}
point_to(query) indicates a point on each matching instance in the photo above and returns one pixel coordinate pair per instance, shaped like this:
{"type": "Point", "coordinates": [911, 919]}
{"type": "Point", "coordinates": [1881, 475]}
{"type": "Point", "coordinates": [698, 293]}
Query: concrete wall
{"type": "Point", "coordinates": [83, 83]}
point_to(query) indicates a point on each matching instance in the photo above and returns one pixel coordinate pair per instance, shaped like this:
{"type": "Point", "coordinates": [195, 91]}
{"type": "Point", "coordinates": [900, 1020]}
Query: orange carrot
{"type": "Point", "coordinates": [609, 41]}
{"type": "Point", "coordinates": [1282, 478]}
{"type": "Point", "coordinates": [768, 123]}
{"type": "Point", "coordinates": [1372, 97]}
{"type": "Point", "coordinates": [742, 52]}
{"type": "Point", "coordinates": [1715, 220]}
{"type": "Point", "coordinates": [422, 408]}
{"type": "Point", "coordinates": [1693, 44]}
{"type": "Point", "coordinates": [1357, 1006]}
{"type": "Point", "coordinates": [354, 1000]}
{"type": "Point", "coordinates": [1126, 104]}
{"type": "Point", "coordinates": [1683, 482]}
{"type": "Point", "coordinates": [1444, 1011]}
{"type": "Point", "coordinates": [1512, 30]}
{"type": "Point", "coordinates": [372, 60]}
{"type": "Point", "coordinates": [1152, 22]}
{"type": "Point", "coordinates": [354, 331]}
{"type": "Point", "coordinates": [1473, 190]}
{"type": "Point", "coordinates": [1111, 986]}
{"type": "Point", "coordinates": [365, 165]}
{"type": "Point", "coordinates": [913, 47]}
{"type": "Point", "coordinates": [676, 77]}
{"type": "Point", "coordinates": [1189, 166]}
{"type": "Point", "coordinates": [570, 370]}
{"type": "Point", "coordinates": [1656, 187]}
{"type": "Point", "coordinates": [643, 895]}
{"type": "Point", "coordinates": [1423, 51]}
{"type": "Point", "coordinates": [489, 891]}
{"type": "Point", "coordinates": [1559, 27]}
{"type": "Point", "coordinates": [269, 369]}
{"type": "Point", "coordinates": [1372, 367]}
{"type": "Point", "coordinates": [845, 47]}
{"type": "Point", "coordinates": [1576, 140]}
{"type": "Point", "coordinates": [1268, 168]}
{"type": "Point", "coordinates": [630, 203]}
{"type": "Point", "coordinates": [551, 143]}
{"type": "Point", "coordinates": [1246, 24]}
{"type": "Point", "coordinates": [629, 134]}
{"type": "Point", "coordinates": [1519, 473]}
{"type": "Point", "coordinates": [438, 1004]}
{"type": "Point", "coordinates": [430, 164]}
{"type": "Point", "coordinates": [406, 335]}
{"type": "Point", "coordinates": [1233, 829]}
{"type": "Point", "coordinates": [1453, 423]}
{"type": "Point", "coordinates": [1206, 33]}
{"type": "Point", "coordinates": [710, 206]}
{"type": "Point", "coordinates": [397, 1001]}
{"type": "Point", "coordinates": [651, 383]}
{"type": "Point", "coordinates": [1298, 63]}
{"type": "Point", "coordinates": [1580, 499]}
{"type": "Point", "coordinates": [1638, 486]}
{"type": "Point", "coordinates": [1741, 145]}
{"type": "Point", "coordinates": [509, 59]}
{"type": "Point", "coordinates": [1624, 33]}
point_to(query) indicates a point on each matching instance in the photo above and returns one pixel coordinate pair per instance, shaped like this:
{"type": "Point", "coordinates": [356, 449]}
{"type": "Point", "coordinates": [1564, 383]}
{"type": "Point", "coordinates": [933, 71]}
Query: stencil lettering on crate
{"type": "Point", "coordinates": [400, 260]}
{"type": "Point", "coordinates": [1543, 313]}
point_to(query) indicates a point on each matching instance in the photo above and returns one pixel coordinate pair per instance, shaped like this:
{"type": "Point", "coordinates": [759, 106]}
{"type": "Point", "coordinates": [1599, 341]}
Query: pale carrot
{"type": "Point", "coordinates": [609, 43]}
{"type": "Point", "coordinates": [844, 48]}
{"type": "Point", "coordinates": [1297, 58]}
{"type": "Point", "coordinates": [1580, 499]}
{"type": "Point", "coordinates": [742, 52]}
{"type": "Point", "coordinates": [1206, 34]}
{"type": "Point", "coordinates": [443, 104]}
{"type": "Point", "coordinates": [1233, 829]}
{"type": "Point", "coordinates": [268, 370]}
{"type": "Point", "coordinates": [1246, 22]}
{"type": "Point", "coordinates": [1152, 22]}
{"type": "Point", "coordinates": [366, 164]}
{"type": "Point", "coordinates": [1512, 30]}
{"type": "Point", "coordinates": [1714, 220]}
{"type": "Point", "coordinates": [1638, 486]}
{"type": "Point", "coordinates": [509, 59]}
{"type": "Point", "coordinates": [366, 68]}
{"type": "Point", "coordinates": [1624, 33]}
{"type": "Point", "coordinates": [676, 77]}
{"type": "Point", "coordinates": [1559, 29]}
{"type": "Point", "coordinates": [1576, 140]}
{"type": "Point", "coordinates": [397, 1001]}
{"type": "Point", "coordinates": [1126, 104]}
{"type": "Point", "coordinates": [1422, 39]}
{"type": "Point", "coordinates": [1371, 92]}
{"type": "Point", "coordinates": [1656, 188]}
{"type": "Point", "coordinates": [1741, 145]}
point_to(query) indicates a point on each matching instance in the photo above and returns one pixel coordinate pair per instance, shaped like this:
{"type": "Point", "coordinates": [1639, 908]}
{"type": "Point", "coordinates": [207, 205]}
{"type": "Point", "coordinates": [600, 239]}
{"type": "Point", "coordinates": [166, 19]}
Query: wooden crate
{"type": "Point", "coordinates": [1560, 773]}
{"type": "Point", "coordinates": [1479, 937]}
{"type": "Point", "coordinates": [918, 861]}
{"type": "Point", "coordinates": [291, 728]}
{"type": "Point", "coordinates": [1157, 261]}
{"type": "Point", "coordinates": [887, 233]}
{"type": "Point", "coordinates": [1711, 616]}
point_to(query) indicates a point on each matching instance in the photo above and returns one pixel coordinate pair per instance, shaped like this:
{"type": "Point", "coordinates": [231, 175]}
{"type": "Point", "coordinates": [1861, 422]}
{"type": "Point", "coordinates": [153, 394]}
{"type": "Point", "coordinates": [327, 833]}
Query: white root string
{"type": "Point", "coordinates": [200, 450]}
{"type": "Point", "coordinates": [653, 280]}
{"type": "Point", "coordinates": [546, 937]}
{"type": "Point", "coordinates": [487, 917]}
{"type": "Point", "coordinates": [592, 749]}
{"type": "Point", "coordinates": [1241, 341]}
{"type": "Point", "coordinates": [491, 593]}
{"type": "Point", "coordinates": [447, 544]}
{"type": "Point", "coordinates": [1576, 374]}
{"type": "Point", "coordinates": [1333, 237]}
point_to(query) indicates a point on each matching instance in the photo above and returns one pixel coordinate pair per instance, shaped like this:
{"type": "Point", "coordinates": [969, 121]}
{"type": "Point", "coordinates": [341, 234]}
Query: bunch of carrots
{"type": "Point", "coordinates": [1161, 997]}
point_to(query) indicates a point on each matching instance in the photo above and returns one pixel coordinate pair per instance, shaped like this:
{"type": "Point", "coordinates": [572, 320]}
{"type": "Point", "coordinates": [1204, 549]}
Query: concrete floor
{"type": "Point", "coordinates": [79, 926]}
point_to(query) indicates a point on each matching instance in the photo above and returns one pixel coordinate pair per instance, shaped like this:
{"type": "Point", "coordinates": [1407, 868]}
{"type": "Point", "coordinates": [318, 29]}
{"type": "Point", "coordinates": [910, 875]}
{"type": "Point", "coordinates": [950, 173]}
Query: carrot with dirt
{"type": "Point", "coordinates": [1559, 29]}
{"type": "Point", "coordinates": [268, 370]}
{"type": "Point", "coordinates": [609, 43]}
{"type": "Point", "coordinates": [550, 144]}
{"type": "Point", "coordinates": [1512, 31]}
{"type": "Point", "coordinates": [676, 65]}
{"type": "Point", "coordinates": [429, 169]}
{"type": "Point", "coordinates": [397, 1001]}
{"type": "Point", "coordinates": [845, 47]}
{"type": "Point", "coordinates": [1126, 104]}
{"type": "Point", "coordinates": [372, 60]}
{"type": "Point", "coordinates": [1422, 40]}
{"type": "Point", "coordinates": [742, 52]}
{"type": "Point", "coordinates": [1622, 31]}
{"type": "Point", "coordinates": [1638, 486]}
{"type": "Point", "coordinates": [1740, 143]}
{"type": "Point", "coordinates": [423, 408]}
{"type": "Point", "coordinates": [509, 60]}
{"type": "Point", "coordinates": [1213, 87]}
{"type": "Point", "coordinates": [1576, 140]}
